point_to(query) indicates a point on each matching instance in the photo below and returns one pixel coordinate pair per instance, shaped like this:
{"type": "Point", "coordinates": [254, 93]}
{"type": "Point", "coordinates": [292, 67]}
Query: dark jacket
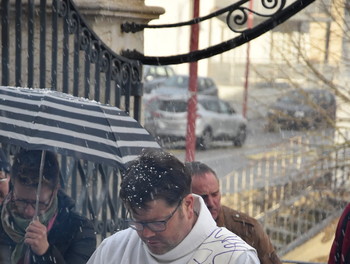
{"type": "Point", "coordinates": [251, 231]}
{"type": "Point", "coordinates": [340, 250]}
{"type": "Point", "coordinates": [72, 238]}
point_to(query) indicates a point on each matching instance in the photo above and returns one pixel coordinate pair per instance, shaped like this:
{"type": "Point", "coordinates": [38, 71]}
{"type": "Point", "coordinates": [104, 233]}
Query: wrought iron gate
{"type": "Point", "coordinates": [48, 44]}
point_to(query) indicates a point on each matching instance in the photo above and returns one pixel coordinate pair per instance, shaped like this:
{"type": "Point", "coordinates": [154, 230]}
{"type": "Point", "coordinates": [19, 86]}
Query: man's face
{"type": "Point", "coordinates": [4, 185]}
{"type": "Point", "coordinates": [177, 226]}
{"type": "Point", "coordinates": [24, 199]}
{"type": "Point", "coordinates": [207, 186]}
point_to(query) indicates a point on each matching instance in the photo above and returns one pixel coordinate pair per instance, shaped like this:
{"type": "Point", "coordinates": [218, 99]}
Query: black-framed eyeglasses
{"type": "Point", "coordinates": [21, 204]}
{"type": "Point", "coordinates": [155, 226]}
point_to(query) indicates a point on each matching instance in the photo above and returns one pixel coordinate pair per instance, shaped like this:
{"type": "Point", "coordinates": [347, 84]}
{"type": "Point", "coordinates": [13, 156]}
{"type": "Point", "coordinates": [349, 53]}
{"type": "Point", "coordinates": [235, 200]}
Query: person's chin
{"type": "Point", "coordinates": [214, 213]}
{"type": "Point", "coordinates": [155, 247]}
{"type": "Point", "coordinates": [23, 216]}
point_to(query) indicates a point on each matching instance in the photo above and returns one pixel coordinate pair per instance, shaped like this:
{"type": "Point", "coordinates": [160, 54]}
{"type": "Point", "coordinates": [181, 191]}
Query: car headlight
{"type": "Point", "coordinates": [299, 114]}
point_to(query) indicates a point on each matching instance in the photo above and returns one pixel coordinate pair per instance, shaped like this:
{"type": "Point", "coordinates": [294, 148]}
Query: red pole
{"type": "Point", "coordinates": [246, 83]}
{"type": "Point", "coordinates": [192, 102]}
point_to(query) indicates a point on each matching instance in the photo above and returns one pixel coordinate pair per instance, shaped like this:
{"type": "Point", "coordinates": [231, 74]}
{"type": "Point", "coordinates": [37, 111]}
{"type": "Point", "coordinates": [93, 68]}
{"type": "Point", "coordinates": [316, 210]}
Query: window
{"type": "Point", "coordinates": [212, 106]}
{"type": "Point", "coordinates": [201, 85]}
{"type": "Point", "coordinates": [225, 108]}
{"type": "Point", "coordinates": [173, 106]}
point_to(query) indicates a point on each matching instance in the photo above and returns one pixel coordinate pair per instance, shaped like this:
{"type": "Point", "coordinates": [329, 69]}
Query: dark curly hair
{"type": "Point", "coordinates": [26, 168]}
{"type": "Point", "coordinates": [156, 174]}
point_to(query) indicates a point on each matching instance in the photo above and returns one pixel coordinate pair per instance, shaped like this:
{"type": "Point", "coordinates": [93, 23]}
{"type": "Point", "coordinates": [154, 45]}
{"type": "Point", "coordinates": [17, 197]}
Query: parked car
{"type": "Point", "coordinates": [307, 108]}
{"type": "Point", "coordinates": [279, 84]}
{"type": "Point", "coordinates": [178, 84]}
{"type": "Point", "coordinates": [154, 75]}
{"type": "Point", "coordinates": [166, 119]}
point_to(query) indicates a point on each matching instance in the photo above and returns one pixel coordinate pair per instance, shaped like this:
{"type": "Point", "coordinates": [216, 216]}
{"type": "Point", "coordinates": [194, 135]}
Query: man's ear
{"type": "Point", "coordinates": [188, 201]}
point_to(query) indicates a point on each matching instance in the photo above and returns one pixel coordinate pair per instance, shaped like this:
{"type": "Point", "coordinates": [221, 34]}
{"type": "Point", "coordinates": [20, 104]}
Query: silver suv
{"type": "Point", "coordinates": [166, 119]}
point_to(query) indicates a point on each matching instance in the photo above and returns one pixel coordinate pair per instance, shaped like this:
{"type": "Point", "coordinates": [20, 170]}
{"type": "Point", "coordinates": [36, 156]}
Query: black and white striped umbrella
{"type": "Point", "coordinates": [49, 120]}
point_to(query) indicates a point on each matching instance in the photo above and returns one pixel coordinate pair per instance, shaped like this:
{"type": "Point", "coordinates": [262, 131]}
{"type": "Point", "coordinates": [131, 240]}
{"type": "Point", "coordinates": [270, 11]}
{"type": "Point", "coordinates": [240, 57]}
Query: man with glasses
{"type": "Point", "coordinates": [42, 228]}
{"type": "Point", "coordinates": [5, 169]}
{"type": "Point", "coordinates": [167, 223]}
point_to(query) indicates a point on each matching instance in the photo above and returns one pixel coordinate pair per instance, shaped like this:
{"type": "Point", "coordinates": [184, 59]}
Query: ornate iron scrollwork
{"type": "Point", "coordinates": [85, 39]}
{"type": "Point", "coordinates": [116, 71]}
{"type": "Point", "coordinates": [73, 22]}
{"type": "Point", "coordinates": [94, 51]}
{"type": "Point", "coordinates": [237, 16]}
{"type": "Point", "coordinates": [105, 61]}
{"type": "Point", "coordinates": [98, 52]}
{"type": "Point", "coordinates": [275, 12]}
{"type": "Point", "coordinates": [62, 8]}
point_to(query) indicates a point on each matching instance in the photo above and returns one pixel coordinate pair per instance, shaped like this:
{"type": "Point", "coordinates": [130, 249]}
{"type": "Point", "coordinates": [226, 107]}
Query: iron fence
{"type": "Point", "coordinates": [295, 189]}
{"type": "Point", "coordinates": [48, 44]}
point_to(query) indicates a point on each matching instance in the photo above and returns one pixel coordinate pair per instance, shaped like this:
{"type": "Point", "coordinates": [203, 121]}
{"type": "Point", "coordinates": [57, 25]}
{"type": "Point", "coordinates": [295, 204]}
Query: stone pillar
{"type": "Point", "coordinates": [106, 16]}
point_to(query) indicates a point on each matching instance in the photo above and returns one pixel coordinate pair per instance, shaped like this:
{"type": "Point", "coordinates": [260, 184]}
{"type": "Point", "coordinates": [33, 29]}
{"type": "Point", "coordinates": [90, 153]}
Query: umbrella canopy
{"type": "Point", "coordinates": [49, 120]}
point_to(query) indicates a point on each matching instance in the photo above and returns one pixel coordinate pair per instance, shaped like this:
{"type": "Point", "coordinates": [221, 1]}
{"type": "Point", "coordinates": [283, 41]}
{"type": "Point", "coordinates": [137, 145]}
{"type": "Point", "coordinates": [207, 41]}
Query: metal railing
{"type": "Point", "coordinates": [295, 190]}
{"type": "Point", "coordinates": [48, 44]}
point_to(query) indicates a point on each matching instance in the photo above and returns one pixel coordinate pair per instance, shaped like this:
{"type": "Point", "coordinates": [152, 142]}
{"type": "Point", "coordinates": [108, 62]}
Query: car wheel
{"type": "Point", "coordinates": [240, 137]}
{"type": "Point", "coordinates": [205, 140]}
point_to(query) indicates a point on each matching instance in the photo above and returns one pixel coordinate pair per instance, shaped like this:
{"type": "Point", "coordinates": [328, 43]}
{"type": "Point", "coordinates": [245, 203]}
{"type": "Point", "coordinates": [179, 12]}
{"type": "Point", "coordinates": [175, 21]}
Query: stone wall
{"type": "Point", "coordinates": [106, 16]}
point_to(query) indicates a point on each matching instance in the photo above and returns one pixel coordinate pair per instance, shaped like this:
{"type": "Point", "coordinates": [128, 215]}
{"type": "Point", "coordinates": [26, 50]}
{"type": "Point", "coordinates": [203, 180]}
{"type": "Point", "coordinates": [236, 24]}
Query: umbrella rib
{"type": "Point", "coordinates": [114, 138]}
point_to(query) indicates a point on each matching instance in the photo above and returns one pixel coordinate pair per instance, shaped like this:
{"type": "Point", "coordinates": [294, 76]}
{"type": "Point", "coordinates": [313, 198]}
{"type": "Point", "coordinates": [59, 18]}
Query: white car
{"type": "Point", "coordinates": [166, 118]}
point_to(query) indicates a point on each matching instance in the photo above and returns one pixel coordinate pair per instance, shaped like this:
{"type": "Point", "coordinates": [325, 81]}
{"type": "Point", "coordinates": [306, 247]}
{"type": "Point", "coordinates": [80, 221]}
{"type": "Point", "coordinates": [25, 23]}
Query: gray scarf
{"type": "Point", "coordinates": [15, 226]}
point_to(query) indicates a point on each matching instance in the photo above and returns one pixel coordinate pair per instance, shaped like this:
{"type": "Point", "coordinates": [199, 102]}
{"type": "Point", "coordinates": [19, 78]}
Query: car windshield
{"type": "Point", "coordinates": [173, 106]}
{"type": "Point", "coordinates": [178, 81]}
{"type": "Point", "coordinates": [210, 105]}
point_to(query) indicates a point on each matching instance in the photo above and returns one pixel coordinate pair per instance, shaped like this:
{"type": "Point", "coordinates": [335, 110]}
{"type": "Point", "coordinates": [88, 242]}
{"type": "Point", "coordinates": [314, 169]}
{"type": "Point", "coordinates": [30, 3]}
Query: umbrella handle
{"type": "Point", "coordinates": [38, 191]}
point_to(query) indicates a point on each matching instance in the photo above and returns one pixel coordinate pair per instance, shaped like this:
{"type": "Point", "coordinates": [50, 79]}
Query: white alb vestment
{"type": "Point", "coordinates": [206, 243]}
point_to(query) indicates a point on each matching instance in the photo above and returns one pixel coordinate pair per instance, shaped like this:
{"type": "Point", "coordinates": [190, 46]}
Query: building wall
{"type": "Point", "coordinates": [283, 45]}
{"type": "Point", "coordinates": [106, 16]}
{"type": "Point", "coordinates": [169, 41]}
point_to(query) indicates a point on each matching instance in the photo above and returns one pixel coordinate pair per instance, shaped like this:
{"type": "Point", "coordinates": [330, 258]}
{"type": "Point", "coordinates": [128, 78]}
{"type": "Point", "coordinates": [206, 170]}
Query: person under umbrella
{"type": "Point", "coordinates": [57, 234]}
{"type": "Point", "coordinates": [5, 169]}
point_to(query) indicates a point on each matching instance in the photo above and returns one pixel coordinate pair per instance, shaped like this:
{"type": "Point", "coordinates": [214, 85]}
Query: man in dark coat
{"type": "Point", "coordinates": [340, 250]}
{"type": "Point", "coordinates": [206, 184]}
{"type": "Point", "coordinates": [57, 234]}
